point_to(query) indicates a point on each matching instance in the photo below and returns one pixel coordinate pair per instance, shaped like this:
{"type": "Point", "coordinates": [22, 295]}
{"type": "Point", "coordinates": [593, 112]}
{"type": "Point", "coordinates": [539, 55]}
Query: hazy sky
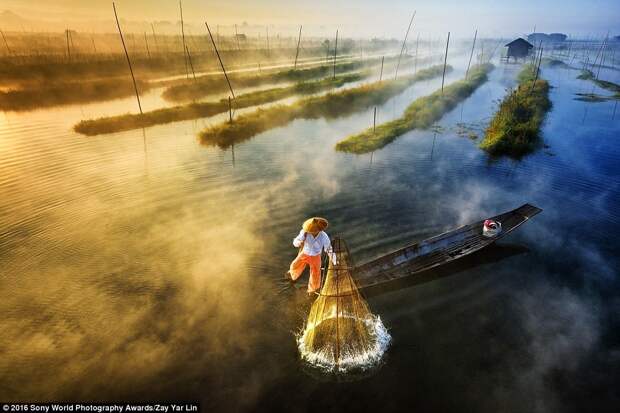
{"type": "Point", "coordinates": [354, 17]}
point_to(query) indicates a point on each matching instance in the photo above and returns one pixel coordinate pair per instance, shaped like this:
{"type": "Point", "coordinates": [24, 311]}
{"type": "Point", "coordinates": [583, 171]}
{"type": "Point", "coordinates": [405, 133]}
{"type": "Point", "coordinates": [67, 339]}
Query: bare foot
{"type": "Point", "coordinates": [289, 276]}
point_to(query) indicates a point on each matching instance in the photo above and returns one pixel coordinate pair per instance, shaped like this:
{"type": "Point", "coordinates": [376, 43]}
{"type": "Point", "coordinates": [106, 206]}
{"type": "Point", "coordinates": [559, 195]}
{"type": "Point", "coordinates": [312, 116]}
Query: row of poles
{"type": "Point", "coordinates": [188, 61]}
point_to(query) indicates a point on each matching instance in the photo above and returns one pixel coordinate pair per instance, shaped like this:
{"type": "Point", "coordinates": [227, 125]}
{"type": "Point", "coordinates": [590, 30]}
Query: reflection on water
{"type": "Point", "coordinates": [135, 265]}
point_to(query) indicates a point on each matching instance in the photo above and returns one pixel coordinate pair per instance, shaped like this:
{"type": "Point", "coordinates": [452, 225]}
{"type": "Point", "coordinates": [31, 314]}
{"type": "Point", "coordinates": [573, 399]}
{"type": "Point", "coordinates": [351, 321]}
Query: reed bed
{"type": "Point", "coordinates": [205, 109]}
{"type": "Point", "coordinates": [331, 105]}
{"type": "Point", "coordinates": [514, 130]}
{"type": "Point", "coordinates": [52, 68]}
{"type": "Point", "coordinates": [209, 85]}
{"type": "Point", "coordinates": [422, 113]}
{"type": "Point", "coordinates": [604, 84]}
{"type": "Point", "coordinates": [43, 95]}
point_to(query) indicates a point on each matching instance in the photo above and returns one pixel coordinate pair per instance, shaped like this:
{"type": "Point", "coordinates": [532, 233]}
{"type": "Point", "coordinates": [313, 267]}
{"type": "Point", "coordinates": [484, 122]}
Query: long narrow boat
{"type": "Point", "coordinates": [441, 249]}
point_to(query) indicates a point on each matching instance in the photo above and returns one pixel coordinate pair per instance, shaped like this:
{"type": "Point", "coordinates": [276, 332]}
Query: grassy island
{"type": "Point", "coordinates": [130, 121]}
{"type": "Point", "coordinates": [514, 130]}
{"type": "Point", "coordinates": [422, 113]}
{"type": "Point", "coordinates": [331, 105]}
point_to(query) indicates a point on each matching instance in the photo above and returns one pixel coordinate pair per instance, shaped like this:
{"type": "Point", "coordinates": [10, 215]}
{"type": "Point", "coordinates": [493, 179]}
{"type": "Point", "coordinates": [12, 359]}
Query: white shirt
{"type": "Point", "coordinates": [312, 245]}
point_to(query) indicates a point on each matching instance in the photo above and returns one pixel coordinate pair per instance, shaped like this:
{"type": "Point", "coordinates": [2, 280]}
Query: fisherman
{"type": "Point", "coordinates": [311, 241]}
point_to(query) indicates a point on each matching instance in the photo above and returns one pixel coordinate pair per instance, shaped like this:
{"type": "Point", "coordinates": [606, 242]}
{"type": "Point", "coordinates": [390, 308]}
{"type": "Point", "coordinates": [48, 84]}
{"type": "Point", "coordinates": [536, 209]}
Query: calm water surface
{"type": "Point", "coordinates": [142, 265]}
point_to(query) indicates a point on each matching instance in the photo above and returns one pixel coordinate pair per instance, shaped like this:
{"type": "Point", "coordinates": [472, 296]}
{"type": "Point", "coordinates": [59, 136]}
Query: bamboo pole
{"type": "Point", "coordinates": [146, 43]}
{"type": "Point", "coordinates": [8, 49]}
{"type": "Point", "coordinates": [374, 121]}
{"type": "Point", "coordinates": [237, 37]}
{"type": "Point", "coordinates": [183, 40]}
{"type": "Point", "coordinates": [120, 32]}
{"type": "Point", "coordinates": [154, 36]}
{"type": "Point", "coordinates": [68, 48]}
{"type": "Point", "coordinates": [221, 63]}
{"type": "Point", "coordinates": [537, 70]}
{"type": "Point", "coordinates": [297, 52]}
{"type": "Point", "coordinates": [72, 44]}
{"type": "Point", "coordinates": [335, 53]}
{"type": "Point", "coordinates": [445, 62]}
{"type": "Point", "coordinates": [92, 39]}
{"type": "Point", "coordinates": [191, 65]}
{"type": "Point", "coordinates": [381, 74]}
{"type": "Point", "coordinates": [402, 49]}
{"type": "Point", "coordinates": [600, 63]}
{"type": "Point", "coordinates": [471, 54]}
{"type": "Point", "coordinates": [268, 52]}
{"type": "Point", "coordinates": [229, 110]}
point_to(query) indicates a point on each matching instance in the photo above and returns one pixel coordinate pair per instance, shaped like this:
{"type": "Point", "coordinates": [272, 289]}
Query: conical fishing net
{"type": "Point", "coordinates": [341, 333]}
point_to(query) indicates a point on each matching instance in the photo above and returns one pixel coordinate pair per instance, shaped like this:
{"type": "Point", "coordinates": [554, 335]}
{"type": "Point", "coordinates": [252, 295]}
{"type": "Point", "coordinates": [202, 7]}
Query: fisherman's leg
{"type": "Point", "coordinates": [297, 266]}
{"type": "Point", "coordinates": [315, 273]}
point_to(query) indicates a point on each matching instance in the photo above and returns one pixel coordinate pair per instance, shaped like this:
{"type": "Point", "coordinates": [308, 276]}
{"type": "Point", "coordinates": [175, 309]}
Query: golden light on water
{"type": "Point", "coordinates": [341, 334]}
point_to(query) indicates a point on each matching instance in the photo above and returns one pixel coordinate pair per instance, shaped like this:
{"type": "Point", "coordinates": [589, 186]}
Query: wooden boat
{"type": "Point", "coordinates": [441, 249]}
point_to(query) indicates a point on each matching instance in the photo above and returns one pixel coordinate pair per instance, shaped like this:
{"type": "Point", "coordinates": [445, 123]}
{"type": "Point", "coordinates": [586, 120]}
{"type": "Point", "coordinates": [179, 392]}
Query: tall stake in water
{"type": "Point", "coordinates": [471, 54]}
{"type": "Point", "coordinates": [402, 49]}
{"type": "Point", "coordinates": [68, 48]}
{"type": "Point", "coordinates": [381, 74]}
{"type": "Point", "coordinates": [146, 43]}
{"type": "Point", "coordinates": [297, 52]}
{"type": "Point", "coordinates": [374, 121]}
{"type": "Point", "coordinates": [183, 39]}
{"type": "Point", "coordinates": [600, 63]}
{"type": "Point", "coordinates": [8, 49]}
{"type": "Point", "coordinates": [120, 32]}
{"type": "Point", "coordinates": [537, 70]}
{"type": "Point", "coordinates": [154, 37]}
{"type": "Point", "coordinates": [221, 63]}
{"type": "Point", "coordinates": [335, 53]}
{"type": "Point", "coordinates": [445, 62]}
{"type": "Point", "coordinates": [191, 65]}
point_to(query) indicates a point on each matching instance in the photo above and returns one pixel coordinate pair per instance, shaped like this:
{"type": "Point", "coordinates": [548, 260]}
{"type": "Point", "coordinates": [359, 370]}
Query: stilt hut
{"type": "Point", "coordinates": [518, 48]}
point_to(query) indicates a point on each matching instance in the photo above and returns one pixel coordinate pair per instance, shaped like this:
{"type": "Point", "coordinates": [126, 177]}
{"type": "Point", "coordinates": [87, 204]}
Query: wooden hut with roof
{"type": "Point", "coordinates": [518, 48]}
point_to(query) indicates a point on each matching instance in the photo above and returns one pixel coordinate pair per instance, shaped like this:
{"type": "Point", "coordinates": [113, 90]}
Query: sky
{"type": "Point", "coordinates": [355, 18]}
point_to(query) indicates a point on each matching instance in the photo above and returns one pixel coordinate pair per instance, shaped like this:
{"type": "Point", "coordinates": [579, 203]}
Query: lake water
{"type": "Point", "coordinates": [142, 265]}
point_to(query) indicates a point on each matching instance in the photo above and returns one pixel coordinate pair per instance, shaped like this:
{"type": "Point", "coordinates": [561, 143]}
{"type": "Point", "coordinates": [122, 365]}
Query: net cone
{"type": "Point", "coordinates": [341, 332]}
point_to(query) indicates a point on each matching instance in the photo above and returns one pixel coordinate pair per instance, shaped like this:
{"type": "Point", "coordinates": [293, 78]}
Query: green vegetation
{"type": "Point", "coordinates": [331, 105]}
{"type": "Point", "coordinates": [604, 84]}
{"type": "Point", "coordinates": [62, 93]}
{"type": "Point", "coordinates": [515, 127]}
{"type": "Point", "coordinates": [420, 114]}
{"type": "Point", "coordinates": [548, 62]}
{"type": "Point", "coordinates": [24, 69]}
{"type": "Point", "coordinates": [208, 85]}
{"type": "Point", "coordinates": [200, 110]}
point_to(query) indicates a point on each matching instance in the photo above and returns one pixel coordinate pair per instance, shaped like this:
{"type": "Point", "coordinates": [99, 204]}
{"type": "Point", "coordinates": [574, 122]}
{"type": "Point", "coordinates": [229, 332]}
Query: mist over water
{"type": "Point", "coordinates": [143, 264]}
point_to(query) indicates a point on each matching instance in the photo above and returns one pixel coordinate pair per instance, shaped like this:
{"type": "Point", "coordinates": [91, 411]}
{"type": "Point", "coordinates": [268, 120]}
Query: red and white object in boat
{"type": "Point", "coordinates": [491, 228]}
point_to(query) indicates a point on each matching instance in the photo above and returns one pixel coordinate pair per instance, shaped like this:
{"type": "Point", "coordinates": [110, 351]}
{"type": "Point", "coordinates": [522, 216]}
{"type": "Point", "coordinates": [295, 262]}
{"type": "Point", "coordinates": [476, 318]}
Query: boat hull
{"type": "Point", "coordinates": [441, 249]}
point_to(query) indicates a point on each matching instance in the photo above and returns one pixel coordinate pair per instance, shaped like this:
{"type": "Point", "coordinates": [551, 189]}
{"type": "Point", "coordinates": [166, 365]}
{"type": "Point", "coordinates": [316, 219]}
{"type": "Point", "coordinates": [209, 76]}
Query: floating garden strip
{"type": "Point", "coordinates": [514, 130]}
{"type": "Point", "coordinates": [331, 105]}
{"type": "Point", "coordinates": [422, 113]}
{"type": "Point", "coordinates": [65, 93]}
{"type": "Point", "coordinates": [604, 84]}
{"type": "Point", "coordinates": [204, 109]}
{"type": "Point", "coordinates": [208, 85]}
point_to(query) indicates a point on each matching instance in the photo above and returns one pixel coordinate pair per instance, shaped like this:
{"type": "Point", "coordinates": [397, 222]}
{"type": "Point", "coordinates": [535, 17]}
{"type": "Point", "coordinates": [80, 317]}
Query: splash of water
{"type": "Point", "coordinates": [355, 355]}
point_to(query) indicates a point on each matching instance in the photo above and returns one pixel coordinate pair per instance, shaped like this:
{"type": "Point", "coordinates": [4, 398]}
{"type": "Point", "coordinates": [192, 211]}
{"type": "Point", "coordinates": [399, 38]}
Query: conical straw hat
{"type": "Point", "coordinates": [315, 224]}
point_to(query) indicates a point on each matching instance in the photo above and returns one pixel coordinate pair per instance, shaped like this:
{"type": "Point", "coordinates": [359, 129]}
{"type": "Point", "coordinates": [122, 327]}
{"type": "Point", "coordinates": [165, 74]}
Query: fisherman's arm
{"type": "Point", "coordinates": [327, 246]}
{"type": "Point", "coordinates": [299, 239]}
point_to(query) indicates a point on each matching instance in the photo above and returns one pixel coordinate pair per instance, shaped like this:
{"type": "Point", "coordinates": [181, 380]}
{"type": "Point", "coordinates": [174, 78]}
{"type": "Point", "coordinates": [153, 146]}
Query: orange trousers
{"type": "Point", "coordinates": [299, 264]}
